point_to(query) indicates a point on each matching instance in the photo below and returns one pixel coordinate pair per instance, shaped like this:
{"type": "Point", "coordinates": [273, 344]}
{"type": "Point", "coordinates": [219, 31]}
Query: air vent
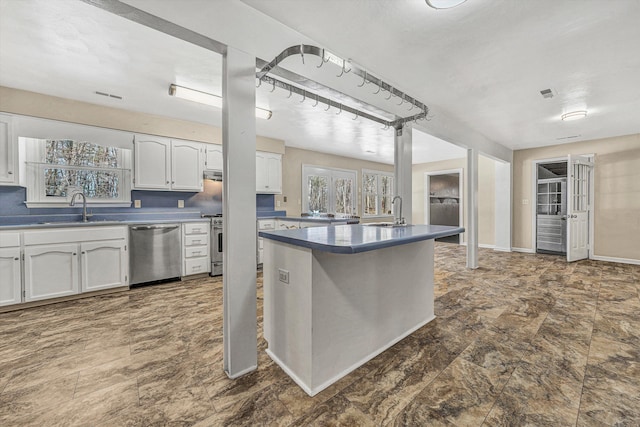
{"type": "Point", "coordinates": [547, 93]}
{"type": "Point", "coordinates": [569, 137]}
{"type": "Point", "coordinates": [108, 95]}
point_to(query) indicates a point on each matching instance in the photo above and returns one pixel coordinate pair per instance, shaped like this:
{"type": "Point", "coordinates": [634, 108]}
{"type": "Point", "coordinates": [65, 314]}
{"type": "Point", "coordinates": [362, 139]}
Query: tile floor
{"type": "Point", "coordinates": [524, 340]}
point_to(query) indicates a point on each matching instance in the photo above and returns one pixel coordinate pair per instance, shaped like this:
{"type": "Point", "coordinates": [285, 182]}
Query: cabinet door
{"type": "Point", "coordinates": [262, 176]}
{"type": "Point", "coordinates": [274, 173]}
{"type": "Point", "coordinates": [214, 157]}
{"type": "Point", "coordinates": [103, 265]}
{"type": "Point", "coordinates": [152, 165]}
{"type": "Point", "coordinates": [10, 285]}
{"type": "Point", "coordinates": [8, 152]}
{"type": "Point", "coordinates": [186, 166]}
{"type": "Point", "coordinates": [50, 271]}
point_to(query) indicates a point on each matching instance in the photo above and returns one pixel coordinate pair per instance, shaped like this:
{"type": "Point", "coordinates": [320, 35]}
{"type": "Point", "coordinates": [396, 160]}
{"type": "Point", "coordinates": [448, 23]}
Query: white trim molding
{"type": "Point", "coordinates": [615, 259]}
{"type": "Point", "coordinates": [524, 250]}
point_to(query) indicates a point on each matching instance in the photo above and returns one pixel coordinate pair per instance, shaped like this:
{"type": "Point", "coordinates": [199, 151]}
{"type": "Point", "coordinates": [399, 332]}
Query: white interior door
{"type": "Point", "coordinates": [578, 206]}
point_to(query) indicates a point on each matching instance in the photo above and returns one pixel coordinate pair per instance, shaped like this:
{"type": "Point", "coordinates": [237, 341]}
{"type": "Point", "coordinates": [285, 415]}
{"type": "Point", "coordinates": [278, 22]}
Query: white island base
{"type": "Point", "coordinates": [338, 311]}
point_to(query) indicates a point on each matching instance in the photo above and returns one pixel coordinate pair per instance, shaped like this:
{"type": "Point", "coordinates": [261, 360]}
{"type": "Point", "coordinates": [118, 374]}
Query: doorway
{"type": "Point", "coordinates": [443, 200]}
{"type": "Point", "coordinates": [563, 207]}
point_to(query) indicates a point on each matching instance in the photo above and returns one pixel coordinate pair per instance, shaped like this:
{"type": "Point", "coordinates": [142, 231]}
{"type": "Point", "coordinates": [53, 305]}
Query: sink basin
{"type": "Point", "coordinates": [385, 224]}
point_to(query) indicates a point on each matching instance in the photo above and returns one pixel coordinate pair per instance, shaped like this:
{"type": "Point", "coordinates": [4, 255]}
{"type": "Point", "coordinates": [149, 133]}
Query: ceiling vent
{"type": "Point", "coordinates": [108, 95]}
{"type": "Point", "coordinates": [547, 93]}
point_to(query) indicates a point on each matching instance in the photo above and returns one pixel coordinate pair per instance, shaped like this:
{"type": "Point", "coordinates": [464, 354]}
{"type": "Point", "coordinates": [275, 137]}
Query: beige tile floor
{"type": "Point", "coordinates": [524, 340]}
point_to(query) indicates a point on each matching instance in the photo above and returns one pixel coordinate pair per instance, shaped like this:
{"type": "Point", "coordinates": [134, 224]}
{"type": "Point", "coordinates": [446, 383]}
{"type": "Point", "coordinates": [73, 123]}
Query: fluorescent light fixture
{"type": "Point", "coordinates": [208, 99]}
{"type": "Point", "coordinates": [444, 4]}
{"type": "Point", "coordinates": [574, 115]}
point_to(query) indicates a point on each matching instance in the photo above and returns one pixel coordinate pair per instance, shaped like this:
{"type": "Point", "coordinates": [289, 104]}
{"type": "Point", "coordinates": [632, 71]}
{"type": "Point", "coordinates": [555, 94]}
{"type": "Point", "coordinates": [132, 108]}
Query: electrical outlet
{"type": "Point", "coordinates": [180, 203]}
{"type": "Point", "coordinates": [278, 203]}
{"type": "Point", "coordinates": [137, 204]}
{"type": "Point", "coordinates": [283, 275]}
{"type": "Point", "coordinates": [525, 201]}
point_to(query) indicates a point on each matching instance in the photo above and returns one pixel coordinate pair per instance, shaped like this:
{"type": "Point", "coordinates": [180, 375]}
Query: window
{"type": "Point", "coordinates": [56, 169]}
{"type": "Point", "coordinates": [377, 193]}
{"type": "Point", "coordinates": [328, 190]}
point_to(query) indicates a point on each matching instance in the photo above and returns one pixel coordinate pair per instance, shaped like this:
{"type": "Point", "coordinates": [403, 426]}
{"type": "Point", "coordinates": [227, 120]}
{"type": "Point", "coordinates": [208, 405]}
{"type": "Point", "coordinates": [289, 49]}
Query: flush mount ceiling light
{"type": "Point", "coordinates": [444, 4]}
{"type": "Point", "coordinates": [208, 99]}
{"type": "Point", "coordinates": [574, 115]}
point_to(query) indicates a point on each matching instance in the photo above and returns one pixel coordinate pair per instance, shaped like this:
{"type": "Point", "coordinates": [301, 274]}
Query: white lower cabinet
{"type": "Point", "coordinates": [195, 248]}
{"type": "Point", "coordinates": [11, 283]}
{"type": "Point", "coordinates": [50, 271]}
{"type": "Point", "coordinates": [68, 261]}
{"type": "Point", "coordinates": [104, 265]}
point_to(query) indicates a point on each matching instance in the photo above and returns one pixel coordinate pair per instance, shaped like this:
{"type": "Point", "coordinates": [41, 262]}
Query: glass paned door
{"type": "Point", "coordinates": [318, 190]}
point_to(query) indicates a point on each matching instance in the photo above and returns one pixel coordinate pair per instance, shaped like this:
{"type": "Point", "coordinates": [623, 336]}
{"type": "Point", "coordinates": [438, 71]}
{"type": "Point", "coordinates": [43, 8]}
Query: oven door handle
{"type": "Point", "coordinates": [220, 242]}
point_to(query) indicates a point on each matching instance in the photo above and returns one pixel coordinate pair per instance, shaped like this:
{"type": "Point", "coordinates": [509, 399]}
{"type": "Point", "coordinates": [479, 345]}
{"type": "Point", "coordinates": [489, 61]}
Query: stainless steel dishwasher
{"type": "Point", "coordinates": [154, 252]}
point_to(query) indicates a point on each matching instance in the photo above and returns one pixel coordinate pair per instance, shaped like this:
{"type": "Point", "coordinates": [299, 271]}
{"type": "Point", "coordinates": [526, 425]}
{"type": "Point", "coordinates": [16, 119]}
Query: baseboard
{"type": "Point", "coordinates": [502, 249]}
{"type": "Point", "coordinates": [524, 250]}
{"type": "Point", "coordinates": [313, 391]}
{"type": "Point", "coordinates": [614, 259]}
{"type": "Point", "coordinates": [241, 373]}
{"type": "Point", "coordinates": [480, 245]}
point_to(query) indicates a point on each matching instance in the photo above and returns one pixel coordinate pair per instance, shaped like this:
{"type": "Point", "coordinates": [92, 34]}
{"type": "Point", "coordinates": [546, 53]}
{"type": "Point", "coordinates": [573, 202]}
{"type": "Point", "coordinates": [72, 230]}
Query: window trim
{"type": "Point", "coordinates": [329, 172]}
{"type": "Point", "coordinates": [34, 154]}
{"type": "Point", "coordinates": [378, 174]}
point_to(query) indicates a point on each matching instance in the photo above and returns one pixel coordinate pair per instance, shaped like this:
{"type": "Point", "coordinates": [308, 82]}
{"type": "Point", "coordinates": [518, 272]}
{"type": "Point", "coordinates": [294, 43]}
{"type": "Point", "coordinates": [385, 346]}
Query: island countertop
{"type": "Point", "coordinates": [351, 239]}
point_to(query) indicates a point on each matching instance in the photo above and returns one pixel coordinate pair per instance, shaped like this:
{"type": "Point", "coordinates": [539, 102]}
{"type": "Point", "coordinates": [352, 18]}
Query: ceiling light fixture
{"type": "Point", "coordinates": [444, 4]}
{"type": "Point", "coordinates": [574, 115]}
{"type": "Point", "coordinates": [209, 99]}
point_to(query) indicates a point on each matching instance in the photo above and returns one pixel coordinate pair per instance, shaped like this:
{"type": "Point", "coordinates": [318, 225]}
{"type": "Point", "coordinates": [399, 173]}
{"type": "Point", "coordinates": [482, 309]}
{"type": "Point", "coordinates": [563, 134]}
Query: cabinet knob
{"type": "Point", "coordinates": [17, 259]}
{"type": "Point", "coordinates": [173, 182]}
{"type": "Point", "coordinates": [84, 252]}
{"type": "Point", "coordinates": [167, 182]}
{"type": "Point", "coordinates": [74, 253]}
{"type": "Point", "coordinates": [10, 173]}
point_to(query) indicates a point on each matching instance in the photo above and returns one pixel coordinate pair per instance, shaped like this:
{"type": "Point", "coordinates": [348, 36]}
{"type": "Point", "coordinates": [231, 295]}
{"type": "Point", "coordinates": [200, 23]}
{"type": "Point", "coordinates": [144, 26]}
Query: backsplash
{"type": "Point", "coordinates": [154, 205]}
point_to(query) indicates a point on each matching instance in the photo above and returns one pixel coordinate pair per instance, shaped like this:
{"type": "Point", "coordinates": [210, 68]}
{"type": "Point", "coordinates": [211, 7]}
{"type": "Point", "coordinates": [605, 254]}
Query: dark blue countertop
{"type": "Point", "coordinates": [351, 239]}
{"type": "Point", "coordinates": [319, 219]}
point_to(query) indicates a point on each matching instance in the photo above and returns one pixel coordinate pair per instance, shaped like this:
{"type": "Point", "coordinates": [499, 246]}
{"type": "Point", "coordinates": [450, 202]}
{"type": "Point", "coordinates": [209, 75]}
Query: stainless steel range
{"type": "Point", "coordinates": [216, 244]}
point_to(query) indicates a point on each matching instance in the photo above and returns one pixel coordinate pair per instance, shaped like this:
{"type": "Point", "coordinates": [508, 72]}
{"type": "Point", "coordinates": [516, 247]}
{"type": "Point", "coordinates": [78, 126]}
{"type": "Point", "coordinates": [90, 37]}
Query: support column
{"type": "Point", "coordinates": [403, 156]}
{"type": "Point", "coordinates": [503, 206]}
{"type": "Point", "coordinates": [239, 207]}
{"type": "Point", "coordinates": [472, 208]}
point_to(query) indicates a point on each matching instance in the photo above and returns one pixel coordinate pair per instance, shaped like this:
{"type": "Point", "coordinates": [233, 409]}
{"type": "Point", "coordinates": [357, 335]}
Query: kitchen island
{"type": "Point", "coordinates": [335, 297]}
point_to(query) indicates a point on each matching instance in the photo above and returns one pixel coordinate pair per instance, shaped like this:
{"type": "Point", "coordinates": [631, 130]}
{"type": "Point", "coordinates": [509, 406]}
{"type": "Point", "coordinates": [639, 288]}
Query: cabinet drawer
{"type": "Point", "coordinates": [196, 251]}
{"type": "Point", "coordinates": [196, 228]}
{"type": "Point", "coordinates": [9, 240]}
{"type": "Point", "coordinates": [196, 266]}
{"type": "Point", "coordinates": [266, 224]}
{"type": "Point", "coordinates": [196, 240]}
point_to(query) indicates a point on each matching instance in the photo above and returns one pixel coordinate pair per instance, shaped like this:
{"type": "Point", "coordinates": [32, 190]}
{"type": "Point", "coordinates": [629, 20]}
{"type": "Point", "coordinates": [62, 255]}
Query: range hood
{"type": "Point", "coordinates": [213, 175]}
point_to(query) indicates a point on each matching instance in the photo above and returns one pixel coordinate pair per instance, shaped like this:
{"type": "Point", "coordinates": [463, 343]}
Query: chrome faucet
{"type": "Point", "coordinates": [399, 219]}
{"type": "Point", "coordinates": [84, 204]}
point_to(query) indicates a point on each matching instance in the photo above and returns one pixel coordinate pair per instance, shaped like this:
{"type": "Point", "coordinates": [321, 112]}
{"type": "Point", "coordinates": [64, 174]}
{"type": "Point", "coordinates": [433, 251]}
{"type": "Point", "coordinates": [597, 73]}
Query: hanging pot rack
{"type": "Point", "coordinates": [367, 78]}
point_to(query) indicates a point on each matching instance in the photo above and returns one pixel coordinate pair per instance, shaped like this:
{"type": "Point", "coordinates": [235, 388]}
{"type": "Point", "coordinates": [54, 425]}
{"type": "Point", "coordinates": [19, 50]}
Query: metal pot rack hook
{"type": "Point", "coordinates": [378, 91]}
{"type": "Point", "coordinates": [290, 93]}
{"type": "Point", "coordinates": [328, 106]}
{"type": "Point", "coordinates": [339, 112]}
{"type": "Point", "coordinates": [356, 117]}
{"type": "Point", "coordinates": [316, 104]}
{"type": "Point", "coordinates": [274, 86]}
{"type": "Point", "coordinates": [412, 106]}
{"type": "Point", "coordinates": [390, 93]}
{"type": "Point", "coordinates": [304, 96]}
{"type": "Point", "coordinates": [322, 61]}
{"type": "Point", "coordinates": [402, 100]}
{"type": "Point", "coordinates": [259, 83]}
{"type": "Point", "coordinates": [302, 53]}
{"type": "Point", "coordinates": [386, 126]}
{"type": "Point", "coordinates": [344, 70]}
{"type": "Point", "coordinates": [364, 80]}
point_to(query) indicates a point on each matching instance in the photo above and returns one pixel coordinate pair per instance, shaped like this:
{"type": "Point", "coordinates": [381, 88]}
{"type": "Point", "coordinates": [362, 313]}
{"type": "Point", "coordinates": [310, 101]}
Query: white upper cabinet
{"type": "Point", "coordinates": [8, 152]}
{"type": "Point", "coordinates": [186, 166]}
{"type": "Point", "coordinates": [152, 163]}
{"type": "Point", "coordinates": [268, 173]}
{"type": "Point", "coordinates": [162, 164]}
{"type": "Point", "coordinates": [214, 157]}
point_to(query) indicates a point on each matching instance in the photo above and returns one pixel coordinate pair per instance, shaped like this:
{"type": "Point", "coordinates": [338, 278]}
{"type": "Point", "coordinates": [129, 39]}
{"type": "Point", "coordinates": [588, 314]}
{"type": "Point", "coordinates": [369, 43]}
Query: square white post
{"type": "Point", "coordinates": [472, 208]}
{"type": "Point", "coordinates": [403, 156]}
{"type": "Point", "coordinates": [239, 207]}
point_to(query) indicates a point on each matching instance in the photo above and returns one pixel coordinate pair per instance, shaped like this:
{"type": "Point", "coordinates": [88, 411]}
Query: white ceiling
{"type": "Point", "coordinates": [482, 63]}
